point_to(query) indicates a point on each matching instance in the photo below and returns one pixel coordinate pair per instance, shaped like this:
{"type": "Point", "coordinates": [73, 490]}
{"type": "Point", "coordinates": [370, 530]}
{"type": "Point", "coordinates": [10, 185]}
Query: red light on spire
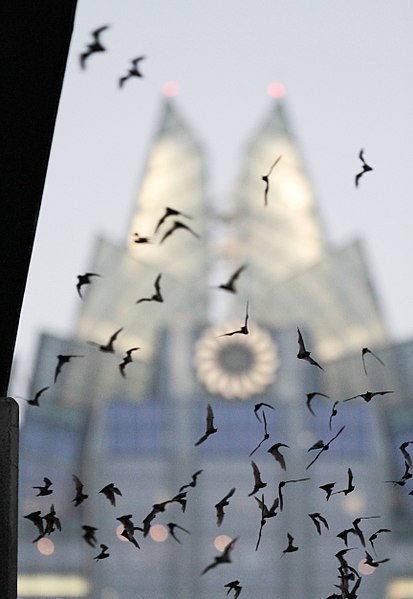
{"type": "Point", "coordinates": [276, 89]}
{"type": "Point", "coordinates": [170, 89]}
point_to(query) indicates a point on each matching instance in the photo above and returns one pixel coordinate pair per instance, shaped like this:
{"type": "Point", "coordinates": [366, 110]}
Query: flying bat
{"type": "Point", "coordinates": [290, 547]}
{"type": "Point", "coordinates": [62, 359]}
{"type": "Point", "coordinates": [127, 360]}
{"type": "Point", "coordinates": [80, 496]}
{"type": "Point", "coordinates": [170, 212]}
{"type": "Point", "coordinates": [258, 407]}
{"type": "Point", "coordinates": [230, 284]}
{"type": "Point", "coordinates": [181, 499]}
{"type": "Point", "coordinates": [223, 558]}
{"type": "Point", "coordinates": [94, 46]}
{"type": "Point", "coordinates": [357, 530]}
{"type": "Point", "coordinates": [243, 330]}
{"type": "Point", "coordinates": [172, 526]}
{"type": "Point", "coordinates": [103, 554]}
{"type": "Point", "coordinates": [274, 451]}
{"type": "Point", "coordinates": [328, 489]}
{"type": "Point", "coordinates": [45, 490]}
{"type": "Point", "coordinates": [84, 280]}
{"type": "Point", "coordinates": [210, 428]}
{"type": "Point", "coordinates": [282, 484]}
{"type": "Point", "coordinates": [325, 446]}
{"type": "Point", "coordinates": [366, 350]}
{"type": "Point", "coordinates": [303, 353]}
{"type": "Point", "coordinates": [139, 239]}
{"type": "Point", "coordinates": [37, 520]}
{"type": "Point", "coordinates": [374, 563]}
{"type": "Point", "coordinates": [129, 529]}
{"type": "Point", "coordinates": [258, 483]}
{"type": "Point", "coordinates": [157, 508]}
{"type": "Point", "coordinates": [318, 520]}
{"type": "Point", "coordinates": [266, 513]}
{"type": "Point", "coordinates": [89, 535]}
{"type": "Point", "coordinates": [157, 296]}
{"type": "Point", "coordinates": [108, 347]}
{"type": "Point", "coordinates": [350, 487]}
{"type": "Point", "coordinates": [177, 225]}
{"type": "Point", "coordinates": [35, 400]}
{"type": "Point", "coordinates": [334, 412]}
{"type": "Point", "coordinates": [235, 586]}
{"type": "Point", "coordinates": [52, 521]}
{"type": "Point", "coordinates": [406, 455]}
{"type": "Point", "coordinates": [265, 178]}
{"type": "Point", "coordinates": [406, 476]}
{"type": "Point", "coordinates": [109, 491]}
{"type": "Point", "coordinates": [221, 504]}
{"type": "Point", "coordinates": [133, 71]}
{"type": "Point", "coordinates": [265, 438]}
{"type": "Point", "coordinates": [365, 168]}
{"type": "Point", "coordinates": [193, 481]}
{"type": "Point", "coordinates": [374, 536]}
{"type": "Point", "coordinates": [310, 397]}
{"type": "Point", "coordinates": [368, 396]}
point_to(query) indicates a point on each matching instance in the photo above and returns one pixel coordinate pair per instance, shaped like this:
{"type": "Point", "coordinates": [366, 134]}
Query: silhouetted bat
{"type": "Point", "coordinates": [265, 178]}
{"type": "Point", "coordinates": [45, 490]}
{"type": "Point", "coordinates": [93, 47]}
{"type": "Point", "coordinates": [177, 225]}
{"type": "Point", "coordinates": [366, 350]}
{"type": "Point", "coordinates": [303, 354]}
{"type": "Point", "coordinates": [80, 496]}
{"type": "Point", "coordinates": [133, 71]}
{"type": "Point", "coordinates": [84, 280]}
{"type": "Point", "coordinates": [170, 212]}
{"type": "Point", "coordinates": [230, 284]}
{"type": "Point", "coordinates": [109, 491]}
{"type": "Point", "coordinates": [210, 429]}
{"type": "Point", "coordinates": [61, 359]}
{"type": "Point", "coordinates": [368, 396]}
{"type": "Point", "coordinates": [104, 552]}
{"type": "Point", "coordinates": [243, 330]}
{"type": "Point", "coordinates": [221, 504]}
{"type": "Point", "coordinates": [127, 360]}
{"type": "Point", "coordinates": [258, 483]}
{"type": "Point", "coordinates": [108, 347]}
{"type": "Point", "coordinates": [157, 296]}
{"type": "Point", "coordinates": [365, 167]}
{"type": "Point", "coordinates": [222, 558]}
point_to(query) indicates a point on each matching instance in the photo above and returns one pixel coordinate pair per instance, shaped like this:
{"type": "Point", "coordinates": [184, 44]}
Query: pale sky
{"type": "Point", "coordinates": [348, 71]}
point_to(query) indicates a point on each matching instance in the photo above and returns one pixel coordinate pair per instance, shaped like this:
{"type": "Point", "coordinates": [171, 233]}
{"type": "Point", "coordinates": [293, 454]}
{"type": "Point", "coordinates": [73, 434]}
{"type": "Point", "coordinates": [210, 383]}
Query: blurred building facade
{"type": "Point", "coordinates": [139, 431]}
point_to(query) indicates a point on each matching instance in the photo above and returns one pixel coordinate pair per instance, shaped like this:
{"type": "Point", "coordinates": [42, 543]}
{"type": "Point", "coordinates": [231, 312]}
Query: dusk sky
{"type": "Point", "coordinates": [347, 68]}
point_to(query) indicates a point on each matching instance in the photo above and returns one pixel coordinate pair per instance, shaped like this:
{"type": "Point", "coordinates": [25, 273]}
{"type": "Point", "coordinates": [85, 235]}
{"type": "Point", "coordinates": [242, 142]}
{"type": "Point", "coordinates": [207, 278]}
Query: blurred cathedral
{"type": "Point", "coordinates": [137, 426]}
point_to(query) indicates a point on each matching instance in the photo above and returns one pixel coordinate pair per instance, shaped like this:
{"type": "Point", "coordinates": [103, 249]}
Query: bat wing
{"type": "Point", "coordinates": [210, 418]}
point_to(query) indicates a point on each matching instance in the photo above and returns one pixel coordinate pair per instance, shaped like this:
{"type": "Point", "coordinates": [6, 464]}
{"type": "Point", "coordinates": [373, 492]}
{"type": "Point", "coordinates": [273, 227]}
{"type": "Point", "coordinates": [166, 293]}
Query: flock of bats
{"type": "Point", "coordinates": [349, 577]}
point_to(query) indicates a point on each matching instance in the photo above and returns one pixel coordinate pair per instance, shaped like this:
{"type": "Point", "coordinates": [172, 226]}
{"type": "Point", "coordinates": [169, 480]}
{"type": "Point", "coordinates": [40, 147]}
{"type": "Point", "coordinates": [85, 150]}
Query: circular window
{"type": "Point", "coordinates": [237, 366]}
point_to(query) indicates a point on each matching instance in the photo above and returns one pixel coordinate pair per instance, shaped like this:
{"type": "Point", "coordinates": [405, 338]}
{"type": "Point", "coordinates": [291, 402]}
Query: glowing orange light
{"type": "Point", "coordinates": [170, 89]}
{"type": "Point", "coordinates": [276, 89]}
{"type": "Point", "coordinates": [221, 541]}
{"type": "Point", "coordinates": [365, 569]}
{"type": "Point", "coordinates": [158, 533]}
{"type": "Point", "coordinates": [119, 531]}
{"type": "Point", "coordinates": [45, 546]}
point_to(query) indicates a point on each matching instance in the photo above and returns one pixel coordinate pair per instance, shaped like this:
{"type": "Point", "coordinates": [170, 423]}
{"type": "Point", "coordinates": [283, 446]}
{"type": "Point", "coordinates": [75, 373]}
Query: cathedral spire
{"type": "Point", "coordinates": [286, 234]}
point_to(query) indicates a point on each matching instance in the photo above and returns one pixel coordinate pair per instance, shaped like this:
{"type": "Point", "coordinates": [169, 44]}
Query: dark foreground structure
{"type": "Point", "coordinates": [35, 44]}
